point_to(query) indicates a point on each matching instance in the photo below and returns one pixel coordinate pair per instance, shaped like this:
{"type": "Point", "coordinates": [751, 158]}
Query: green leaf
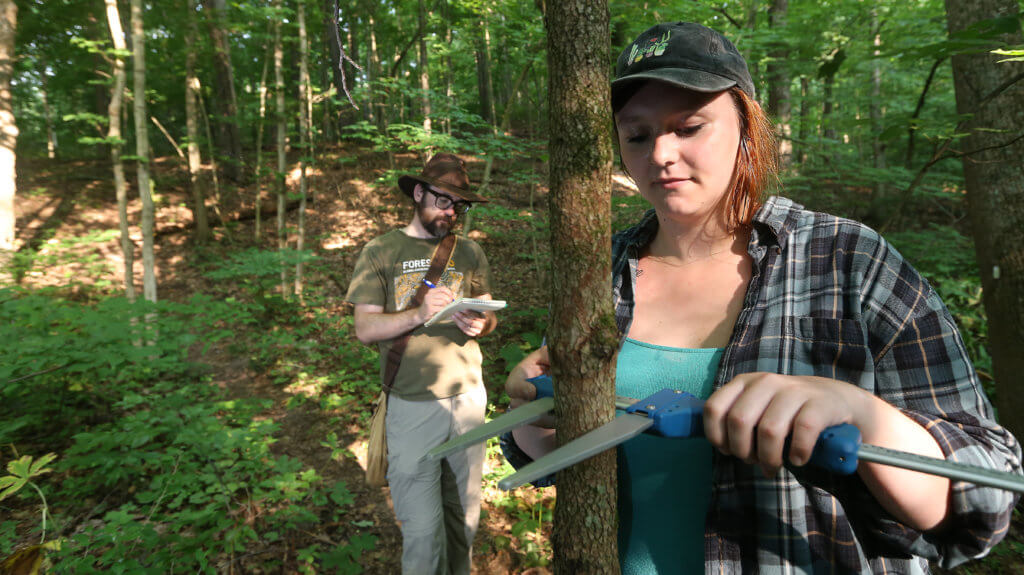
{"type": "Point", "coordinates": [11, 485]}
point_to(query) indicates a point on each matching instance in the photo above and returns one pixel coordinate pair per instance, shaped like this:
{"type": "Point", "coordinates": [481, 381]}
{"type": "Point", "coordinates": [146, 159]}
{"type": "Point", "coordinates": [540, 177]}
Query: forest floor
{"type": "Point", "coordinates": [62, 200]}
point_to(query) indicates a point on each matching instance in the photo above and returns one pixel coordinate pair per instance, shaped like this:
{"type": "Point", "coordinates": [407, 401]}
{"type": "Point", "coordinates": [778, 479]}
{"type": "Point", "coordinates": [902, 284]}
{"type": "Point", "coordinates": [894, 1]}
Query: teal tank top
{"type": "Point", "coordinates": [664, 484]}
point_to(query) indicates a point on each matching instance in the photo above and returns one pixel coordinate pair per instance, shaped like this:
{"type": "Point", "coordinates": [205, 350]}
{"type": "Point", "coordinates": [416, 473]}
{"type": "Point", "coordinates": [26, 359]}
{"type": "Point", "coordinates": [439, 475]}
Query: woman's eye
{"type": "Point", "coordinates": [636, 138]}
{"type": "Point", "coordinates": [690, 130]}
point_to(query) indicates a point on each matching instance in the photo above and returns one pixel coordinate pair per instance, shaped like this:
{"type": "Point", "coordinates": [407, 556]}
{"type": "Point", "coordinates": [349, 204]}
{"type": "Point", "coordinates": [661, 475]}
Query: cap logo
{"type": "Point", "coordinates": [652, 47]}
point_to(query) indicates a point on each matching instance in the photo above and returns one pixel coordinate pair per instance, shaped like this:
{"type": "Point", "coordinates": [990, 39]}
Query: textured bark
{"type": "Point", "coordinates": [282, 129]}
{"type": "Point", "coordinates": [994, 94]}
{"type": "Point", "coordinates": [142, 151]}
{"type": "Point", "coordinates": [583, 338]}
{"type": "Point", "coordinates": [202, 227]}
{"type": "Point", "coordinates": [114, 108]}
{"type": "Point", "coordinates": [483, 73]}
{"type": "Point", "coordinates": [778, 88]}
{"type": "Point", "coordinates": [424, 68]}
{"type": "Point", "coordinates": [225, 102]}
{"type": "Point", "coordinates": [304, 123]}
{"type": "Point", "coordinates": [878, 196]}
{"type": "Point", "coordinates": [8, 138]}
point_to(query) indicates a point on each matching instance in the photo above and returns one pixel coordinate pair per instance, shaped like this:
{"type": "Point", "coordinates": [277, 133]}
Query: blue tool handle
{"type": "Point", "coordinates": [679, 414]}
{"type": "Point", "coordinates": [545, 386]}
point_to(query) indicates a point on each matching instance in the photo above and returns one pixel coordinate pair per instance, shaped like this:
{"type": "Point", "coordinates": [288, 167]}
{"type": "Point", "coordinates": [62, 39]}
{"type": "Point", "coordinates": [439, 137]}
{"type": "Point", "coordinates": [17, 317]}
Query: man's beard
{"type": "Point", "coordinates": [438, 227]}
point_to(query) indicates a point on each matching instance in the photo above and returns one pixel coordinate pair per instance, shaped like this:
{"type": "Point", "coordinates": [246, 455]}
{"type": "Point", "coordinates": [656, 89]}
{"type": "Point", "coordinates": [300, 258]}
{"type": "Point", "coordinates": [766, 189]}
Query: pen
{"type": "Point", "coordinates": [429, 283]}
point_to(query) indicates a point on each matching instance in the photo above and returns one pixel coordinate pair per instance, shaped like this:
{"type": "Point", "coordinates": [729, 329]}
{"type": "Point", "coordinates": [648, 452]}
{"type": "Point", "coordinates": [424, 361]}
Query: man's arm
{"type": "Point", "coordinates": [373, 325]}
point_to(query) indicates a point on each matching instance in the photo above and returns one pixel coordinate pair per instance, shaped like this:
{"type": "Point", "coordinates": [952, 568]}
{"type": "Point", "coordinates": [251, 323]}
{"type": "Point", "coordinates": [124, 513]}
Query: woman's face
{"type": "Point", "coordinates": [680, 147]}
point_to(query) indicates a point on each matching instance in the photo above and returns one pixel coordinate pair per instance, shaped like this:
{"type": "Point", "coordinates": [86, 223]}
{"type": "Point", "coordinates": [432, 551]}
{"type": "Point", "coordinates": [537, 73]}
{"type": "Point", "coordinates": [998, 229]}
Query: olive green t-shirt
{"type": "Point", "coordinates": [439, 361]}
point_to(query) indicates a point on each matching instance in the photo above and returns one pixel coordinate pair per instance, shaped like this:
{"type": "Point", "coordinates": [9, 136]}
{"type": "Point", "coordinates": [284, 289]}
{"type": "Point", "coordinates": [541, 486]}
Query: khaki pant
{"type": "Point", "coordinates": [438, 502]}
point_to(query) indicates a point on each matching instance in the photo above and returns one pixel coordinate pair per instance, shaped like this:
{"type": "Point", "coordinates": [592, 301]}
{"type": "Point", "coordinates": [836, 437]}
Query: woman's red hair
{"type": "Point", "coordinates": [756, 161]}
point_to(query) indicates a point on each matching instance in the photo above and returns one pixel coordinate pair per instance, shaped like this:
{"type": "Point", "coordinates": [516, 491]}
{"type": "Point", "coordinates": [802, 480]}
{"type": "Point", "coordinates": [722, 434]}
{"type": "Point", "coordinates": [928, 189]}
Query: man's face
{"type": "Point", "coordinates": [436, 221]}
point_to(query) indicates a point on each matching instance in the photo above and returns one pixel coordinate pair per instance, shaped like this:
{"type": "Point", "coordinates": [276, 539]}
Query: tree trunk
{"type": "Point", "coordinates": [583, 338]}
{"type": "Point", "coordinates": [449, 70]}
{"type": "Point", "coordinates": [257, 207]}
{"type": "Point", "coordinates": [304, 123]}
{"type": "Point", "coordinates": [142, 150]}
{"type": "Point", "coordinates": [805, 109]}
{"type": "Point", "coordinates": [376, 117]}
{"type": "Point", "coordinates": [880, 192]}
{"type": "Point", "coordinates": [993, 94]}
{"type": "Point", "coordinates": [229, 142]}
{"type": "Point", "coordinates": [51, 131]}
{"type": "Point", "coordinates": [282, 127]}
{"type": "Point", "coordinates": [424, 71]}
{"type": "Point", "coordinates": [8, 139]}
{"type": "Point", "coordinates": [778, 90]}
{"type": "Point", "coordinates": [483, 72]}
{"type": "Point", "coordinates": [202, 227]}
{"type": "Point", "coordinates": [114, 106]}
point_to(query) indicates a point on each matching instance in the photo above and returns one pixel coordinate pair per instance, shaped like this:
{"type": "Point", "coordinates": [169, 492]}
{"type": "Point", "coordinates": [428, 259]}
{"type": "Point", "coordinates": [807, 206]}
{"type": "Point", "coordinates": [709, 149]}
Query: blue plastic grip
{"type": "Point", "coordinates": [675, 413]}
{"type": "Point", "coordinates": [545, 386]}
{"type": "Point", "coordinates": [836, 449]}
{"type": "Point", "coordinates": [679, 414]}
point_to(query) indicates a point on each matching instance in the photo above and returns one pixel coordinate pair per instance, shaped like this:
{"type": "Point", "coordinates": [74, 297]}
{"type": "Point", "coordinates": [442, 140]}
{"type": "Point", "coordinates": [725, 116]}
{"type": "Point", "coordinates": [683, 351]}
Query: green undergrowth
{"type": "Point", "coordinates": [157, 468]}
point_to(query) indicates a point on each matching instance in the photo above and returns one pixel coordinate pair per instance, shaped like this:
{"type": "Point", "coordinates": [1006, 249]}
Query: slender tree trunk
{"type": "Point", "coordinates": [778, 91]}
{"type": "Point", "coordinates": [304, 123]}
{"type": "Point", "coordinates": [424, 65]}
{"type": "Point", "coordinates": [229, 142]}
{"type": "Point", "coordinates": [880, 192]}
{"type": "Point", "coordinates": [583, 338]}
{"type": "Point", "coordinates": [483, 71]}
{"type": "Point", "coordinates": [282, 127]}
{"type": "Point", "coordinates": [258, 207]}
{"type": "Point", "coordinates": [142, 150]}
{"type": "Point", "coordinates": [114, 106]}
{"type": "Point", "coordinates": [202, 226]}
{"type": "Point", "coordinates": [449, 71]}
{"type": "Point", "coordinates": [8, 139]}
{"type": "Point", "coordinates": [805, 109]}
{"type": "Point", "coordinates": [51, 132]}
{"type": "Point", "coordinates": [372, 70]}
{"type": "Point", "coordinates": [993, 94]}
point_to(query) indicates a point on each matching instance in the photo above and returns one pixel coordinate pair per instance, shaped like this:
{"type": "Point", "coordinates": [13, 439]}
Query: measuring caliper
{"type": "Point", "coordinates": [677, 414]}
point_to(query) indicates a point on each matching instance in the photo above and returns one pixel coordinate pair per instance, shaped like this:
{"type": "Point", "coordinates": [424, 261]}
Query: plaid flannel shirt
{"type": "Point", "coordinates": [829, 297]}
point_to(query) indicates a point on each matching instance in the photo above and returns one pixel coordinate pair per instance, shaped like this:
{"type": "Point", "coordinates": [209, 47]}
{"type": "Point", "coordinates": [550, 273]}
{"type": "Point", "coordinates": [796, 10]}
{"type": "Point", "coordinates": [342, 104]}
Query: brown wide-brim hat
{"type": "Point", "coordinates": [446, 172]}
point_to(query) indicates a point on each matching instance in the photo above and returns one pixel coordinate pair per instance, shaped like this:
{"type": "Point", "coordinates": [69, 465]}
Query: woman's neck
{"type": "Point", "coordinates": [690, 242]}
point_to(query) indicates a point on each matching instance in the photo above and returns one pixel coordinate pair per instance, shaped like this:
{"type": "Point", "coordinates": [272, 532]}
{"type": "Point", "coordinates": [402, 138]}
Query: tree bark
{"type": "Point", "coordinates": [993, 93]}
{"type": "Point", "coordinates": [583, 337]}
{"type": "Point", "coordinates": [142, 150]}
{"type": "Point", "coordinates": [424, 65]}
{"type": "Point", "coordinates": [778, 91]}
{"type": "Point", "coordinates": [202, 227]}
{"type": "Point", "coordinates": [483, 72]}
{"type": "Point", "coordinates": [880, 192]}
{"type": "Point", "coordinates": [305, 137]}
{"type": "Point", "coordinates": [8, 139]}
{"type": "Point", "coordinates": [114, 107]}
{"type": "Point", "coordinates": [51, 131]}
{"type": "Point", "coordinates": [229, 142]}
{"type": "Point", "coordinates": [282, 128]}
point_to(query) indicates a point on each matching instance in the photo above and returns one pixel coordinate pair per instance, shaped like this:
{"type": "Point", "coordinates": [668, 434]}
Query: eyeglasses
{"type": "Point", "coordinates": [443, 202]}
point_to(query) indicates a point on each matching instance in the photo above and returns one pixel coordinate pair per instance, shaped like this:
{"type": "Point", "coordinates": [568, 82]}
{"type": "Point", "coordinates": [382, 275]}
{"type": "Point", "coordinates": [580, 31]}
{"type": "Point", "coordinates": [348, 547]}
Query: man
{"type": "Point", "coordinates": [438, 392]}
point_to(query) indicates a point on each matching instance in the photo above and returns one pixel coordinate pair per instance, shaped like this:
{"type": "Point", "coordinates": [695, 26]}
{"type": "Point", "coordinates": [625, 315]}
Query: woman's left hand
{"type": "Point", "coordinates": [751, 416]}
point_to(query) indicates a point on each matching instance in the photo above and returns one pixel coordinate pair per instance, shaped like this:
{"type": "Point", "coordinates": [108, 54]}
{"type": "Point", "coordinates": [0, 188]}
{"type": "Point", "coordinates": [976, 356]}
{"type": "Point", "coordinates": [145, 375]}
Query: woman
{"type": "Point", "coordinates": [786, 321]}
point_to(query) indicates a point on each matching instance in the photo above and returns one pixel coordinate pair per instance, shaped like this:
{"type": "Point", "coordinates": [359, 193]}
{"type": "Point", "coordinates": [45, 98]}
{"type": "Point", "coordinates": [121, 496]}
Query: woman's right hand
{"type": "Point", "coordinates": [521, 391]}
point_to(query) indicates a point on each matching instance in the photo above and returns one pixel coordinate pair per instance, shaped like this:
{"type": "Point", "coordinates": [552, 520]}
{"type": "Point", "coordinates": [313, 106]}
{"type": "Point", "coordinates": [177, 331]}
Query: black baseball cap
{"type": "Point", "coordinates": [683, 54]}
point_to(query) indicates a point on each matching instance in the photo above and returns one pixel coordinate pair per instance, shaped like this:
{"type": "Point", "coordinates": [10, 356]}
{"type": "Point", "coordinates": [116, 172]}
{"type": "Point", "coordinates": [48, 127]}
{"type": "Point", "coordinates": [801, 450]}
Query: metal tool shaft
{"type": "Point", "coordinates": [942, 467]}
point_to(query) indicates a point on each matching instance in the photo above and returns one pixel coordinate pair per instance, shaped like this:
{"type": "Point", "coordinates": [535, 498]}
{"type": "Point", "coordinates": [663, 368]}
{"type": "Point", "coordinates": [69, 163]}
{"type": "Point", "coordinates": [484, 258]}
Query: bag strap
{"type": "Point", "coordinates": [442, 253]}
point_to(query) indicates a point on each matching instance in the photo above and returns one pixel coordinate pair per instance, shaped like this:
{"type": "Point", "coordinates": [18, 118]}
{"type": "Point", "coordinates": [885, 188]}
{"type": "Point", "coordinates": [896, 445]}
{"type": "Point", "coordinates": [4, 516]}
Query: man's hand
{"type": "Point", "coordinates": [435, 299]}
{"type": "Point", "coordinates": [472, 323]}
